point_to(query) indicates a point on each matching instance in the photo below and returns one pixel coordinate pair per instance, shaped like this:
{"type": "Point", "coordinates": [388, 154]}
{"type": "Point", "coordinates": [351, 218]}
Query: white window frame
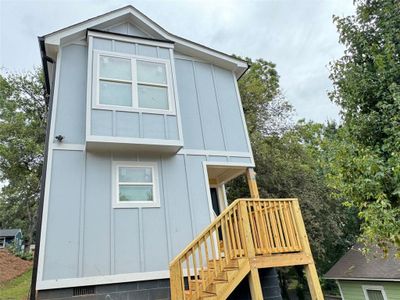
{"type": "Point", "coordinates": [367, 288]}
{"type": "Point", "coordinates": [134, 82]}
{"type": "Point", "coordinates": [115, 184]}
{"type": "Point", "coordinates": [3, 245]}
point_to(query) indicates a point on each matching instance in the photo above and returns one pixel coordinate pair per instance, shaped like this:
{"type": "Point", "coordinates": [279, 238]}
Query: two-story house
{"type": "Point", "coordinates": [145, 129]}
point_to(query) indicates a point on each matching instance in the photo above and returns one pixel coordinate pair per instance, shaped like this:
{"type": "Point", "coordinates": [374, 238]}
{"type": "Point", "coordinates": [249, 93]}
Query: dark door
{"type": "Point", "coordinates": [214, 201]}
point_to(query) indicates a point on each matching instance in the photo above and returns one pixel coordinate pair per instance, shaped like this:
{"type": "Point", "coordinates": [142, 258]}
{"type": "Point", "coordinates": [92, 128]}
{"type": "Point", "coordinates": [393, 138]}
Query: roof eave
{"type": "Point", "coordinates": [78, 30]}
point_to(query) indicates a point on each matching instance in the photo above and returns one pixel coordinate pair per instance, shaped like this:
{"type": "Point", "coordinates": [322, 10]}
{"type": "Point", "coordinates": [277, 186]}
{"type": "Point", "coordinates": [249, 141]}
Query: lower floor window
{"type": "Point", "coordinates": [2, 242]}
{"type": "Point", "coordinates": [135, 184]}
{"type": "Point", "coordinates": [372, 292]}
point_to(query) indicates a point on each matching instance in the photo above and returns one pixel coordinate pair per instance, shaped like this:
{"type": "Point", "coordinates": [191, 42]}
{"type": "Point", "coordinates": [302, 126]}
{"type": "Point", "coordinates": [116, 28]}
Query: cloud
{"type": "Point", "coordinates": [296, 35]}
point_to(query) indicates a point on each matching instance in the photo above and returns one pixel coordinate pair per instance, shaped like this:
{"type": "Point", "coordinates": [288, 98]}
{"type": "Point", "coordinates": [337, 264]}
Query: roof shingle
{"type": "Point", "coordinates": [355, 265]}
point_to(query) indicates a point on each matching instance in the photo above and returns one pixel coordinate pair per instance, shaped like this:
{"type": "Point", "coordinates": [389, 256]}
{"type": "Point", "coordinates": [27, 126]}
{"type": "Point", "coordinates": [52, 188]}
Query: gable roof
{"type": "Point", "coordinates": [356, 266]}
{"type": "Point", "coordinates": [9, 232]}
{"type": "Point", "coordinates": [131, 14]}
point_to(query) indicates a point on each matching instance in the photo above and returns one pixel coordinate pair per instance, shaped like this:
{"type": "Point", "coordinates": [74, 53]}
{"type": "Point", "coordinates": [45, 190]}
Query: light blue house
{"type": "Point", "coordinates": [146, 128]}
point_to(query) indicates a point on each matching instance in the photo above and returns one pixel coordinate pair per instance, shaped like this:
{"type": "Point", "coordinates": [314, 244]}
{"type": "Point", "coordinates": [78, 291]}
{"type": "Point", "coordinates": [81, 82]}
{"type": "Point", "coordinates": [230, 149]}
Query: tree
{"type": "Point", "coordinates": [289, 160]}
{"type": "Point", "coordinates": [23, 115]}
{"type": "Point", "coordinates": [365, 164]}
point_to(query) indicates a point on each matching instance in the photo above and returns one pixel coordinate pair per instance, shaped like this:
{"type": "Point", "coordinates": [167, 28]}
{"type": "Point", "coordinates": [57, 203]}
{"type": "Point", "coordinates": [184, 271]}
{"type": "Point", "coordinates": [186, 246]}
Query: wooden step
{"type": "Point", "coordinates": [233, 263]}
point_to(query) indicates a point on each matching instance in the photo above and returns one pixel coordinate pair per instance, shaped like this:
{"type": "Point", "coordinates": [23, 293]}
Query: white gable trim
{"type": "Point", "coordinates": [129, 12]}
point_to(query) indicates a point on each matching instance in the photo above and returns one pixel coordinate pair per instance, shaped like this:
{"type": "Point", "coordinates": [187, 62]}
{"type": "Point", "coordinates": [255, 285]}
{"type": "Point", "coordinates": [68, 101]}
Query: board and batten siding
{"type": "Point", "coordinates": [95, 239]}
{"type": "Point", "coordinates": [352, 290]}
{"type": "Point", "coordinates": [84, 236]}
{"type": "Point", "coordinates": [127, 124]}
{"type": "Point", "coordinates": [210, 109]}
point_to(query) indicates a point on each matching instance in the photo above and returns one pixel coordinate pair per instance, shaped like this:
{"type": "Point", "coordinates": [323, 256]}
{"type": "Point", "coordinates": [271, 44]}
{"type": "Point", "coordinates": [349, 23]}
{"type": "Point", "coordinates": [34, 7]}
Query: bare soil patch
{"type": "Point", "coordinates": [12, 266]}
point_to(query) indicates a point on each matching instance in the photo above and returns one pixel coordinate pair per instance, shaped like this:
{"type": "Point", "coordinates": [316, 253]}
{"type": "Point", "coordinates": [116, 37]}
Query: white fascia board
{"type": "Point", "coordinates": [186, 46]}
{"type": "Point", "coordinates": [365, 279]}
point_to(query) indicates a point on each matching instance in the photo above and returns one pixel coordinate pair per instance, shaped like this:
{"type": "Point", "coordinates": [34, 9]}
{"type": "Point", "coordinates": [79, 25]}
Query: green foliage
{"type": "Point", "coordinates": [365, 159]}
{"type": "Point", "coordinates": [22, 134]}
{"type": "Point", "coordinates": [18, 253]}
{"type": "Point", "coordinates": [290, 163]}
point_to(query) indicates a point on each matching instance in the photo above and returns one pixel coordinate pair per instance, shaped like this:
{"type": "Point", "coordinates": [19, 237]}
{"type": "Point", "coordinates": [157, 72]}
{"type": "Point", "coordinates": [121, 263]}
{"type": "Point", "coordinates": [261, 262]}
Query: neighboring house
{"type": "Point", "coordinates": [367, 277]}
{"type": "Point", "coordinates": [11, 237]}
{"type": "Point", "coordinates": [145, 130]}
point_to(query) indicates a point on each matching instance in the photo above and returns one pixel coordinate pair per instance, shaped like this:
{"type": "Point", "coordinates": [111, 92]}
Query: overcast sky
{"type": "Point", "coordinates": [297, 35]}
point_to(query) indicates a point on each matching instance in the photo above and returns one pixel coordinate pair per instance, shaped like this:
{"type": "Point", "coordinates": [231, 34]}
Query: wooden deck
{"type": "Point", "coordinates": [250, 234]}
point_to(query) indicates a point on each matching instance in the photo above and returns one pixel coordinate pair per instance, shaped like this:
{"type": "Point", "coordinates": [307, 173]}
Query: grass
{"type": "Point", "coordinates": [17, 288]}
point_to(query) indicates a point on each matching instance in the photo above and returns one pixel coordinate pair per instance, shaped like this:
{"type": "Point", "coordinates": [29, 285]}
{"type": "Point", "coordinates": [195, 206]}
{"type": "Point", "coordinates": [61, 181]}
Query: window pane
{"type": "Point", "coordinates": [151, 72]}
{"type": "Point", "coordinates": [153, 97]}
{"type": "Point", "coordinates": [135, 174]}
{"type": "Point", "coordinates": [115, 93]}
{"type": "Point", "coordinates": [115, 68]}
{"type": "Point", "coordinates": [135, 193]}
{"type": "Point", "coordinates": [375, 295]}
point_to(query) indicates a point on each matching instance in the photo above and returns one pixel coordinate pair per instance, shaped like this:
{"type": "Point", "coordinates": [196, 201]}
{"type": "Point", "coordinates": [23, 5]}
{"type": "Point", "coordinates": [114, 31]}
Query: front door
{"type": "Point", "coordinates": [215, 201]}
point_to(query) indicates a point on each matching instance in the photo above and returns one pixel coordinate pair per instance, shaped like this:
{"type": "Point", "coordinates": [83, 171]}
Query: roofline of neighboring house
{"type": "Point", "coordinates": [49, 99]}
{"type": "Point", "coordinates": [363, 279]}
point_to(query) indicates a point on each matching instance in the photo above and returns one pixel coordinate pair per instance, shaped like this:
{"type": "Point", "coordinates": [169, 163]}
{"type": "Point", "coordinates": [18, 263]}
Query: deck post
{"type": "Point", "coordinates": [251, 181]}
{"type": "Point", "coordinates": [254, 276]}
{"type": "Point", "coordinates": [310, 270]}
{"type": "Point", "coordinates": [255, 285]}
{"type": "Point", "coordinates": [176, 282]}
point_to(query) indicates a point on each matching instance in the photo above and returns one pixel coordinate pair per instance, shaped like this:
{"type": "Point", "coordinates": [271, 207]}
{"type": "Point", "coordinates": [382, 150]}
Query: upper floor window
{"type": "Point", "coordinates": [125, 82]}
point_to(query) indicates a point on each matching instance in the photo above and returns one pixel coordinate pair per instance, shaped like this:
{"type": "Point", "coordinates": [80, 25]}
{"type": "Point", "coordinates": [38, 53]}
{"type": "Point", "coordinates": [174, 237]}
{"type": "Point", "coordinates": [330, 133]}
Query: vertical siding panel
{"type": "Point", "coordinates": [198, 192]}
{"type": "Point", "coordinates": [72, 95]}
{"type": "Point", "coordinates": [235, 134]}
{"type": "Point", "coordinates": [127, 124]}
{"type": "Point", "coordinates": [82, 215]}
{"type": "Point", "coordinates": [127, 242]}
{"type": "Point", "coordinates": [102, 122]}
{"type": "Point", "coordinates": [97, 242]}
{"type": "Point", "coordinates": [166, 209]}
{"type": "Point", "coordinates": [62, 236]}
{"type": "Point", "coordinates": [153, 126]}
{"type": "Point", "coordinates": [176, 193]}
{"type": "Point", "coordinates": [145, 50]}
{"type": "Point", "coordinates": [211, 125]}
{"type": "Point", "coordinates": [190, 115]}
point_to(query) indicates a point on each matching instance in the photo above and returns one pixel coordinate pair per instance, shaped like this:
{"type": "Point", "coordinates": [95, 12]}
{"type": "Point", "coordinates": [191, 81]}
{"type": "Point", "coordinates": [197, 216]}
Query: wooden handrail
{"type": "Point", "coordinates": [245, 229]}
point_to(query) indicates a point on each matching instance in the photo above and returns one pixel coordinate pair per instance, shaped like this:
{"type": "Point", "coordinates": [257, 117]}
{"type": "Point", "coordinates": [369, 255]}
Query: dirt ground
{"type": "Point", "coordinates": [11, 266]}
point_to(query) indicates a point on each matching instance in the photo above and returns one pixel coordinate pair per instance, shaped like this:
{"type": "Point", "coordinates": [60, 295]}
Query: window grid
{"type": "Point", "coordinates": [117, 166]}
{"type": "Point", "coordinates": [134, 83]}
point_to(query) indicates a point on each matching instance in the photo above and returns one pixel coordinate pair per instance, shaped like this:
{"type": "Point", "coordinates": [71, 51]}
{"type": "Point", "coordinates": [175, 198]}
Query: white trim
{"type": "Point", "coordinates": [367, 288]}
{"type": "Point", "coordinates": [3, 244]}
{"type": "Point", "coordinates": [103, 279]}
{"type": "Point", "coordinates": [365, 279]}
{"type": "Point", "coordinates": [221, 194]}
{"type": "Point", "coordinates": [340, 290]}
{"type": "Point", "coordinates": [190, 58]}
{"type": "Point", "coordinates": [134, 107]}
{"type": "Point", "coordinates": [43, 229]}
{"type": "Point", "coordinates": [134, 204]}
{"type": "Point", "coordinates": [68, 147]}
{"type": "Point", "coordinates": [127, 140]}
{"type": "Point", "coordinates": [176, 96]}
{"type": "Point", "coordinates": [214, 153]}
{"type": "Point", "coordinates": [122, 38]}
{"type": "Point", "coordinates": [207, 183]}
{"type": "Point", "coordinates": [89, 84]}
{"type": "Point", "coordinates": [128, 13]}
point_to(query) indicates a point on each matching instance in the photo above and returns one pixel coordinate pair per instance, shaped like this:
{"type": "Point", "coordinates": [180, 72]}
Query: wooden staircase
{"type": "Point", "coordinates": [250, 234]}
